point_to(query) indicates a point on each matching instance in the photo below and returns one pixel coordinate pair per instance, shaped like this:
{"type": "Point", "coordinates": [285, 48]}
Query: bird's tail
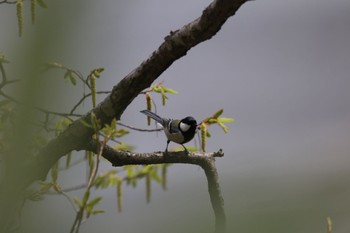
{"type": "Point", "coordinates": [154, 116]}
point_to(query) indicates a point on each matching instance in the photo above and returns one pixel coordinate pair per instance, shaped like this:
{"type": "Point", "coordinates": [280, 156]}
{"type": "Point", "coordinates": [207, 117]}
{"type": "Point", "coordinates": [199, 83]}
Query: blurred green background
{"type": "Point", "coordinates": [281, 69]}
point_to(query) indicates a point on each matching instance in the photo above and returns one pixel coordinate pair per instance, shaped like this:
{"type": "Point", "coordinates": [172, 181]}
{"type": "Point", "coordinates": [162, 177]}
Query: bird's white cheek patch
{"type": "Point", "coordinates": [184, 127]}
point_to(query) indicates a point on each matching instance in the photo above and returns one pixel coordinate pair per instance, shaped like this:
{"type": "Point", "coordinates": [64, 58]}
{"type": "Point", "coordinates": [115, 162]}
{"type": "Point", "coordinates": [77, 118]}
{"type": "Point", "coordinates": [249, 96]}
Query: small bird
{"type": "Point", "coordinates": [178, 131]}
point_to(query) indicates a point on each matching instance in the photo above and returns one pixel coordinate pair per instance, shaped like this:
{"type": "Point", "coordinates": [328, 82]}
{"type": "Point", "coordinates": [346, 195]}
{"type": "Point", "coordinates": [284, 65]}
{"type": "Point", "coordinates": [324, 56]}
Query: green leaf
{"type": "Point", "coordinates": [155, 176]}
{"type": "Point", "coordinates": [73, 80]}
{"type": "Point", "coordinates": [69, 75]}
{"type": "Point", "coordinates": [156, 88]}
{"type": "Point", "coordinates": [160, 89]}
{"type": "Point", "coordinates": [94, 201]}
{"type": "Point", "coordinates": [41, 3]}
{"type": "Point", "coordinates": [224, 127]}
{"type": "Point", "coordinates": [78, 202]}
{"type": "Point", "coordinates": [121, 132]}
{"type": "Point", "coordinates": [105, 180]}
{"type": "Point", "coordinates": [163, 90]}
{"type": "Point", "coordinates": [129, 171]}
{"type": "Point", "coordinates": [169, 90]}
{"type": "Point", "coordinates": [212, 121]}
{"type": "Point", "coordinates": [97, 72]}
{"type": "Point", "coordinates": [86, 196]}
{"type": "Point", "coordinates": [131, 175]}
{"type": "Point", "coordinates": [146, 169]}
{"type": "Point", "coordinates": [218, 113]}
{"type": "Point", "coordinates": [94, 212]}
{"type": "Point", "coordinates": [114, 123]}
{"type": "Point", "coordinates": [90, 207]}
{"type": "Point", "coordinates": [226, 120]}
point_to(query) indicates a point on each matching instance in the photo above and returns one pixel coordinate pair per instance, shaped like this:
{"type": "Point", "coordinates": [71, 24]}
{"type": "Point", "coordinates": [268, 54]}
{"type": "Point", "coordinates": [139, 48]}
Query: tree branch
{"type": "Point", "coordinates": [216, 198]}
{"type": "Point", "coordinates": [205, 160]}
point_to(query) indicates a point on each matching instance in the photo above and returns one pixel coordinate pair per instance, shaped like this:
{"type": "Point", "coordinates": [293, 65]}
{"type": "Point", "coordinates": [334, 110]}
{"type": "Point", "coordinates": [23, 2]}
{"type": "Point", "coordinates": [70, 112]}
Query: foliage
{"type": "Point", "coordinates": [55, 123]}
{"type": "Point", "coordinates": [214, 119]}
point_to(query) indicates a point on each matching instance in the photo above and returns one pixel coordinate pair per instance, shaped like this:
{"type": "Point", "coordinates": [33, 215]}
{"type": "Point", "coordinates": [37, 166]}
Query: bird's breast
{"type": "Point", "coordinates": [175, 137]}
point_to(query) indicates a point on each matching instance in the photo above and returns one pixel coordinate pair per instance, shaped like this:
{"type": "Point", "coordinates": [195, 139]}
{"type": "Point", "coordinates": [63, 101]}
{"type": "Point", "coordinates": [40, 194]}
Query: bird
{"type": "Point", "coordinates": [178, 131]}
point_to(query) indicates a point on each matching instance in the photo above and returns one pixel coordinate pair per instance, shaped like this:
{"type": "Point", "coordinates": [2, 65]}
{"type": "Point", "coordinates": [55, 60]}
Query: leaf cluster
{"type": "Point", "coordinates": [214, 119]}
{"type": "Point", "coordinates": [158, 89]}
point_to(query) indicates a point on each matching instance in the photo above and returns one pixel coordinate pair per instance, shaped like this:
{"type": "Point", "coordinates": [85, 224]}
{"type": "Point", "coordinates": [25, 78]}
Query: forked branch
{"type": "Point", "coordinates": [204, 160]}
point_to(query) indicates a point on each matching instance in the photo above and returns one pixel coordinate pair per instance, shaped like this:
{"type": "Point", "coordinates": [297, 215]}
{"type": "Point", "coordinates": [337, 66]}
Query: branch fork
{"type": "Point", "coordinates": [205, 160]}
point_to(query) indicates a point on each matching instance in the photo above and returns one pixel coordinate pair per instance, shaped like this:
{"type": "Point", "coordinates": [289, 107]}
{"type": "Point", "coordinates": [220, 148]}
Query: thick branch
{"type": "Point", "coordinates": [204, 160]}
{"type": "Point", "coordinates": [216, 198]}
{"type": "Point", "coordinates": [120, 158]}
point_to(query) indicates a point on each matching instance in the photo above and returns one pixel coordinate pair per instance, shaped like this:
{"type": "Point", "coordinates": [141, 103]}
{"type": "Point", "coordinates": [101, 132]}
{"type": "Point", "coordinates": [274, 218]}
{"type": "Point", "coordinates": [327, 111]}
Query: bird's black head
{"type": "Point", "coordinates": [188, 128]}
{"type": "Point", "coordinates": [189, 121]}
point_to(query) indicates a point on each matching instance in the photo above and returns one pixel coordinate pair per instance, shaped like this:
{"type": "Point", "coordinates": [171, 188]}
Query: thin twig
{"type": "Point", "coordinates": [94, 171]}
{"type": "Point", "coordinates": [70, 189]}
{"type": "Point", "coordinates": [62, 114]}
{"type": "Point", "coordinates": [84, 97]}
{"type": "Point", "coordinates": [93, 174]}
{"type": "Point", "coordinates": [6, 1]}
{"type": "Point", "coordinates": [60, 191]}
{"type": "Point", "coordinates": [139, 129]}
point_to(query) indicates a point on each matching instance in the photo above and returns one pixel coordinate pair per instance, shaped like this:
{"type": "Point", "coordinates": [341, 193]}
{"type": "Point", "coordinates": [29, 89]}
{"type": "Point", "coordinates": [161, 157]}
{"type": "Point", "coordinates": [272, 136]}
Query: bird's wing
{"type": "Point", "coordinates": [173, 126]}
{"type": "Point", "coordinates": [155, 117]}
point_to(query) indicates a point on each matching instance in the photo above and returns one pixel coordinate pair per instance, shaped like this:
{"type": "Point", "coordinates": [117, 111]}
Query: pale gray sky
{"type": "Point", "coordinates": [280, 68]}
